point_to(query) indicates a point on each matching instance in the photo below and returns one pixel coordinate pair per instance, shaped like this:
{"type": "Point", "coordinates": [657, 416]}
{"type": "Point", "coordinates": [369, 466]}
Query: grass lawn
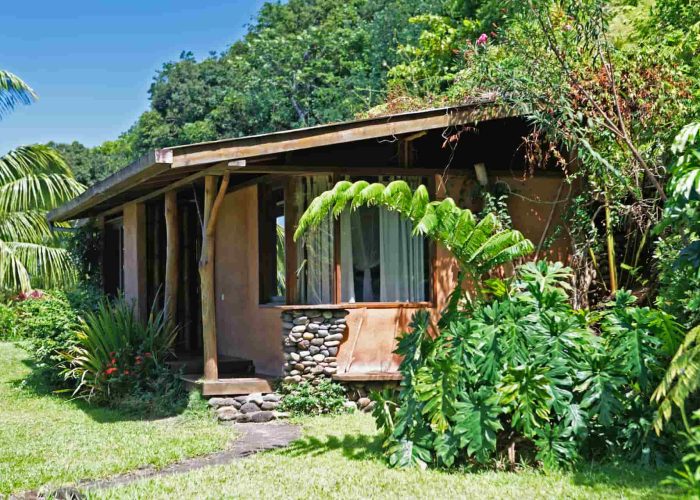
{"type": "Point", "coordinates": [45, 439]}
{"type": "Point", "coordinates": [338, 458]}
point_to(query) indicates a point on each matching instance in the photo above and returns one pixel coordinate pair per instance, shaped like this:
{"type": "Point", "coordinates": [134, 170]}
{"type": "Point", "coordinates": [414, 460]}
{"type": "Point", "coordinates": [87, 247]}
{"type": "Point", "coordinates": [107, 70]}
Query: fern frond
{"type": "Point", "coordinates": [682, 378]}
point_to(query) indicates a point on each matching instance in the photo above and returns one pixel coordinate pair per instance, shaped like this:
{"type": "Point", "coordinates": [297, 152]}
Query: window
{"type": "Point", "coordinates": [369, 255]}
{"type": "Point", "coordinates": [272, 261]}
{"type": "Point", "coordinates": [380, 259]}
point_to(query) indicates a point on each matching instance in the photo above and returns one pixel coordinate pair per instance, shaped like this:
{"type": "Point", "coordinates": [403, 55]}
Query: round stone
{"type": "Point", "coordinates": [308, 336]}
{"type": "Point", "coordinates": [226, 413]}
{"type": "Point", "coordinates": [332, 351]}
{"type": "Point", "coordinates": [319, 357]}
{"type": "Point", "coordinates": [316, 342]}
{"type": "Point", "coordinates": [303, 354]}
{"type": "Point", "coordinates": [299, 328]}
{"type": "Point", "coordinates": [294, 356]}
{"type": "Point", "coordinates": [314, 349]}
{"type": "Point", "coordinates": [301, 320]}
{"type": "Point", "coordinates": [330, 338]}
{"type": "Point", "coordinates": [250, 407]}
{"type": "Point", "coordinates": [331, 343]}
{"type": "Point", "coordinates": [329, 370]}
{"type": "Point", "coordinates": [312, 327]}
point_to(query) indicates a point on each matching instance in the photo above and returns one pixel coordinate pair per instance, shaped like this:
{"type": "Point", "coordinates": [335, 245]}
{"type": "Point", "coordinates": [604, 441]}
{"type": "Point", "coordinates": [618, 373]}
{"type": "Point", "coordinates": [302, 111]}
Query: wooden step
{"type": "Point", "coordinates": [227, 364]}
{"type": "Point", "coordinates": [228, 386]}
{"type": "Point", "coordinates": [368, 377]}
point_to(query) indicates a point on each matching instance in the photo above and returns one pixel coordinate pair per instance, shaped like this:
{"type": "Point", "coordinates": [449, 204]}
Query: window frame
{"type": "Point", "coordinates": [290, 251]}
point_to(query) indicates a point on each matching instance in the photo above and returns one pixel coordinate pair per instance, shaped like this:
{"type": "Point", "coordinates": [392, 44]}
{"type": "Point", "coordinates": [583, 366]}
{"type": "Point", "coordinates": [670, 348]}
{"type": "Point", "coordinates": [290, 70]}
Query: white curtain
{"type": "Point", "coordinates": [359, 250]}
{"type": "Point", "coordinates": [401, 269]}
{"type": "Point", "coordinates": [315, 252]}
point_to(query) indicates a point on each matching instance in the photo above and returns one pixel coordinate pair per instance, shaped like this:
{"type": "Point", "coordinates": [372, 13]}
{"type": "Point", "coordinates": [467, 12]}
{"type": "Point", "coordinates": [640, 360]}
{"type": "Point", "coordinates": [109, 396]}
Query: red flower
{"type": "Point", "coordinates": [138, 360]}
{"type": "Point", "coordinates": [110, 371]}
{"type": "Point", "coordinates": [148, 355]}
{"type": "Point", "coordinates": [126, 372]}
{"type": "Point", "coordinates": [113, 361]}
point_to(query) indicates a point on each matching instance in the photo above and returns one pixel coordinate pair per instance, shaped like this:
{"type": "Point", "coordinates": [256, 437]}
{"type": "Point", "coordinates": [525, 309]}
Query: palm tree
{"type": "Point", "coordinates": [478, 246]}
{"type": "Point", "coordinates": [33, 180]}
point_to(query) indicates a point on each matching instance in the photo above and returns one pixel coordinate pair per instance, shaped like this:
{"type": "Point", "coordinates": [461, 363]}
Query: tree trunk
{"type": "Point", "coordinates": [212, 203]}
{"type": "Point", "coordinates": [172, 257]}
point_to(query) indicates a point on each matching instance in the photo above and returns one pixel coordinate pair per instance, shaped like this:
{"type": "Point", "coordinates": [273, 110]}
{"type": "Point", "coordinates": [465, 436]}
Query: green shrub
{"type": "Point", "coordinates": [306, 398]}
{"type": "Point", "coordinates": [8, 322]}
{"type": "Point", "coordinates": [118, 358]}
{"type": "Point", "coordinates": [688, 476]}
{"type": "Point", "coordinates": [525, 377]}
{"type": "Point", "coordinates": [47, 324]}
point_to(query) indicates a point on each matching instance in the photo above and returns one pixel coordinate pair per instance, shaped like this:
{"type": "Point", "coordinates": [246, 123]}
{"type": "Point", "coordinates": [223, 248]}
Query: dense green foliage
{"type": "Point", "coordinates": [307, 398]}
{"type": "Point", "coordinates": [47, 324]}
{"type": "Point", "coordinates": [116, 358]}
{"type": "Point", "coordinates": [525, 376]}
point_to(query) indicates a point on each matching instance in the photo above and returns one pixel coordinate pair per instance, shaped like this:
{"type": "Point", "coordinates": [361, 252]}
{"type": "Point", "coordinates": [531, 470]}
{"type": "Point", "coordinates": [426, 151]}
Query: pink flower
{"type": "Point", "coordinates": [110, 371]}
{"type": "Point", "coordinates": [482, 39]}
{"type": "Point", "coordinates": [568, 27]}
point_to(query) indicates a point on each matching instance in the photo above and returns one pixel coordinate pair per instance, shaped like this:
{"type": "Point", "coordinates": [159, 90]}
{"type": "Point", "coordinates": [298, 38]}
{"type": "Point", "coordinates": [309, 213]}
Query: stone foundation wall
{"type": "Point", "coordinates": [311, 338]}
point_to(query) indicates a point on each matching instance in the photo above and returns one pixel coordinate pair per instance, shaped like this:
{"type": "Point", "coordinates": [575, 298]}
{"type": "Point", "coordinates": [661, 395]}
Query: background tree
{"type": "Point", "coordinates": [33, 180]}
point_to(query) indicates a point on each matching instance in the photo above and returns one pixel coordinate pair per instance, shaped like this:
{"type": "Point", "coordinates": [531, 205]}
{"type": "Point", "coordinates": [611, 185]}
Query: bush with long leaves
{"type": "Point", "coordinates": [116, 353]}
{"type": "Point", "coordinates": [526, 377]}
{"type": "Point", "coordinates": [478, 245]}
{"type": "Point", "coordinates": [33, 180]}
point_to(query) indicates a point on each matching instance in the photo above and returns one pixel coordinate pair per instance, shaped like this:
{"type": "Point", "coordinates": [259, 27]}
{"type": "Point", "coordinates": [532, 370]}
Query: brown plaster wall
{"type": "Point", "coordinates": [249, 330]}
{"type": "Point", "coordinates": [244, 328]}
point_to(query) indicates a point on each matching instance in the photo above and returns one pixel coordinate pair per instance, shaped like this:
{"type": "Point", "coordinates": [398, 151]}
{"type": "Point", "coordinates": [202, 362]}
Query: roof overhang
{"type": "Point", "coordinates": [156, 171]}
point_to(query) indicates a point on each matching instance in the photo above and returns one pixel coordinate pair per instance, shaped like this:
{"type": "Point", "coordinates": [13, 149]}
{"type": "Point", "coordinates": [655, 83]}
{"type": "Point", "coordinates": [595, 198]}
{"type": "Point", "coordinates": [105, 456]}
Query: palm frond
{"type": "Point", "coordinates": [682, 378]}
{"type": "Point", "coordinates": [46, 265]}
{"type": "Point", "coordinates": [13, 91]}
{"type": "Point", "coordinates": [35, 178]}
{"type": "Point", "coordinates": [478, 246]}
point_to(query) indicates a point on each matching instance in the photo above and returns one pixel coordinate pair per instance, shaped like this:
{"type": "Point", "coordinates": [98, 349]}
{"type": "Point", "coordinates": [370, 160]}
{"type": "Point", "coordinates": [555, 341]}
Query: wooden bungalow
{"type": "Point", "coordinates": [212, 223]}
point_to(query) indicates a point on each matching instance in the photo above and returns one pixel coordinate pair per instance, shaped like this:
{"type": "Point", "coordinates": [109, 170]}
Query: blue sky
{"type": "Point", "coordinates": [91, 62]}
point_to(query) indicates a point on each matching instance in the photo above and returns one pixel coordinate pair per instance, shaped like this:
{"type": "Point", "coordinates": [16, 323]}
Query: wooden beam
{"type": "Point", "coordinates": [337, 170]}
{"type": "Point", "coordinates": [217, 169]}
{"type": "Point", "coordinates": [373, 128]}
{"type": "Point", "coordinates": [172, 256]}
{"type": "Point", "coordinates": [212, 204]}
{"type": "Point", "coordinates": [146, 167]}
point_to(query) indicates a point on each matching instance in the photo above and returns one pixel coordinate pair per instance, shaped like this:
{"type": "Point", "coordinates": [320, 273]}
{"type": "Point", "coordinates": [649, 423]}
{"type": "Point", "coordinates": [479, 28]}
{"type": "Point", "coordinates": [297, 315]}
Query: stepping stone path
{"type": "Point", "coordinates": [256, 408]}
{"type": "Point", "coordinates": [253, 438]}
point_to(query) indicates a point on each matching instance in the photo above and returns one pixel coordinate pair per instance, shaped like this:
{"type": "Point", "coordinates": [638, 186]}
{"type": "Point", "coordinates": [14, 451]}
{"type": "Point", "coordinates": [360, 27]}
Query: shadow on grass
{"type": "Point", "coordinates": [352, 446]}
{"type": "Point", "coordinates": [365, 447]}
{"type": "Point", "coordinates": [42, 382]}
{"type": "Point", "coordinates": [626, 475]}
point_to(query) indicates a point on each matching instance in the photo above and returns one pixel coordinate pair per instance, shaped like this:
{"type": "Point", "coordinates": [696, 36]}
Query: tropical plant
{"type": "Point", "coordinates": [682, 213]}
{"type": "Point", "coordinates": [47, 324]}
{"type": "Point", "coordinates": [525, 377]}
{"type": "Point", "coordinates": [33, 180]}
{"type": "Point", "coordinates": [115, 353]}
{"type": "Point", "coordinates": [306, 398]}
{"type": "Point", "coordinates": [478, 246]}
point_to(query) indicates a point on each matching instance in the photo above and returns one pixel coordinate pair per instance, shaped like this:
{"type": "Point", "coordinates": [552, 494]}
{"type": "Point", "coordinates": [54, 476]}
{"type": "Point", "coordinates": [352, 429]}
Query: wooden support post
{"type": "Point", "coordinates": [172, 256]}
{"type": "Point", "coordinates": [212, 203]}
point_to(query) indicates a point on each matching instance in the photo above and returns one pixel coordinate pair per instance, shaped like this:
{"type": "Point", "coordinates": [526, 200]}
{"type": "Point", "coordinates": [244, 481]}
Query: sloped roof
{"type": "Point", "coordinates": [168, 168]}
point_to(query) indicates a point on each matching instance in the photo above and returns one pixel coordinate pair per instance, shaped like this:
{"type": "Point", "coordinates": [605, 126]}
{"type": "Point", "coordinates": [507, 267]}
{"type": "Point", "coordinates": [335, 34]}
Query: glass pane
{"type": "Point", "coordinates": [315, 252]}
